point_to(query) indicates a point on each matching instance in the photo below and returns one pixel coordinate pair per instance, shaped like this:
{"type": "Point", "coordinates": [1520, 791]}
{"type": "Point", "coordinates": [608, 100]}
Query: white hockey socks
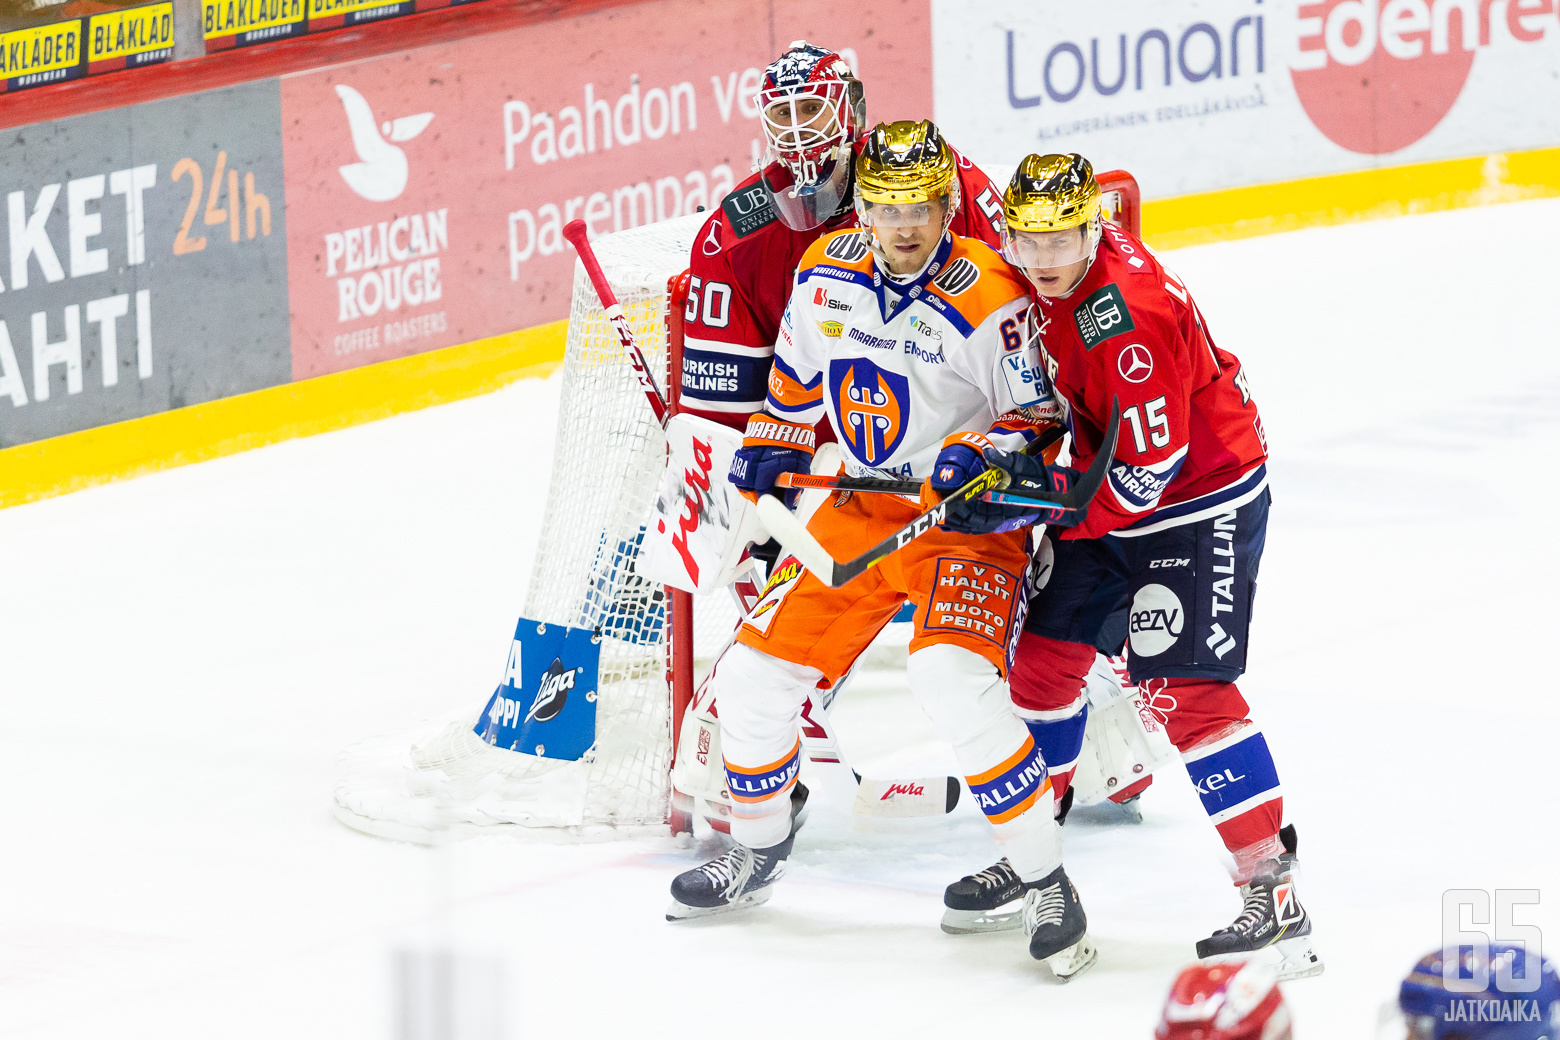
{"type": "Point", "coordinates": [760, 701]}
{"type": "Point", "coordinates": [968, 702]}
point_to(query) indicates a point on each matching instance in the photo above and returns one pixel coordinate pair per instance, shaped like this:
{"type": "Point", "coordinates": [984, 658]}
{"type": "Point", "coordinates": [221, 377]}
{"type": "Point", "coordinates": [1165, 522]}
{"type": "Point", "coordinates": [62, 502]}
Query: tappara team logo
{"type": "Point", "coordinates": [1378, 75]}
{"type": "Point", "coordinates": [873, 406]}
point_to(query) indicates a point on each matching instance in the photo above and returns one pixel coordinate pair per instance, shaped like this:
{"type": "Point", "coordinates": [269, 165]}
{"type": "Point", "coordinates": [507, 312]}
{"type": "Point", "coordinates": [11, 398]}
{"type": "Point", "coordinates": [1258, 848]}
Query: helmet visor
{"type": "Point", "coordinates": [901, 214]}
{"type": "Point", "coordinates": [805, 204]}
{"type": "Point", "coordinates": [1049, 249]}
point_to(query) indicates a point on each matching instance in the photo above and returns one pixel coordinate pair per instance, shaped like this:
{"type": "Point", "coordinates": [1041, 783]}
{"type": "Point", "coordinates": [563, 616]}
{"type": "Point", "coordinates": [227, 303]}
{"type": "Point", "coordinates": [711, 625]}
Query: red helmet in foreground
{"type": "Point", "coordinates": [1238, 1001]}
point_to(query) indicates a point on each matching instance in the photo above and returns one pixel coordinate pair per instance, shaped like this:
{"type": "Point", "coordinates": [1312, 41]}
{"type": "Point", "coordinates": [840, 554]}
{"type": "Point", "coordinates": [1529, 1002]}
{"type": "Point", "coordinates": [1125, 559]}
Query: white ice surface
{"type": "Point", "coordinates": [183, 656]}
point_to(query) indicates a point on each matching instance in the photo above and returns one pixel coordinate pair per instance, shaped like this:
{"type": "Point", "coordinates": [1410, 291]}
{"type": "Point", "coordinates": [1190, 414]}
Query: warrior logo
{"type": "Point", "coordinates": [553, 693]}
{"type": "Point", "coordinates": [873, 406]}
{"type": "Point", "coordinates": [960, 275]}
{"type": "Point", "coordinates": [847, 249]}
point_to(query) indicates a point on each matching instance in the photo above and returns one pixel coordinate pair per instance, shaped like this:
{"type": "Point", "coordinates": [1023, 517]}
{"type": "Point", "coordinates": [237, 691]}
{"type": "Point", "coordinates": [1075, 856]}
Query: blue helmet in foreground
{"type": "Point", "coordinates": [1498, 1011]}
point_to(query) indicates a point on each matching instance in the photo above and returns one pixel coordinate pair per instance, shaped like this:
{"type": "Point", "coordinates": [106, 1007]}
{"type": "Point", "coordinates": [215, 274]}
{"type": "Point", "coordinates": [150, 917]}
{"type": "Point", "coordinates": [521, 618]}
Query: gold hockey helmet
{"type": "Point", "coordinates": [1052, 210]}
{"type": "Point", "coordinates": [902, 167]}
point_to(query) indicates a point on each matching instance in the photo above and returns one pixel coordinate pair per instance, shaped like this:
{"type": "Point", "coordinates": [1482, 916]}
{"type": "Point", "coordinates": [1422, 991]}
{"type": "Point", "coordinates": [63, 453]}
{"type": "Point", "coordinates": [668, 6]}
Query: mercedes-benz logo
{"type": "Point", "coordinates": [1135, 363]}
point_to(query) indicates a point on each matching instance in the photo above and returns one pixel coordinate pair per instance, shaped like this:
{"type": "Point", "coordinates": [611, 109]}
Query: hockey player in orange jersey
{"type": "Point", "coordinates": [904, 335]}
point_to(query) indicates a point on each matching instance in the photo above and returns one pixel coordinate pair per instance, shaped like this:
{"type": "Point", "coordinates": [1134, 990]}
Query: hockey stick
{"type": "Point", "coordinates": [793, 534]}
{"type": "Point", "coordinates": [576, 233]}
{"type": "Point", "coordinates": [911, 488]}
{"type": "Point", "coordinates": [878, 484]}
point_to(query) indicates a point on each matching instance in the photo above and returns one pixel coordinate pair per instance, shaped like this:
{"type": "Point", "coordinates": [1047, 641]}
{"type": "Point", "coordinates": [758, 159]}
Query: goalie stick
{"type": "Point", "coordinates": [793, 534]}
{"type": "Point", "coordinates": [576, 233]}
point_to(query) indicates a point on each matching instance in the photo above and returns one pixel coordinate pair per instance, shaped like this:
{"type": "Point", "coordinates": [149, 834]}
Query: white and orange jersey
{"type": "Point", "coordinates": [900, 366]}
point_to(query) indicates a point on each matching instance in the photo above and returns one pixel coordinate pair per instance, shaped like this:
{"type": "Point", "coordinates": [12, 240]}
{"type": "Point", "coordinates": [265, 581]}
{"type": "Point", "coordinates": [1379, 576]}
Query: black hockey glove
{"type": "Point", "coordinates": [1030, 474]}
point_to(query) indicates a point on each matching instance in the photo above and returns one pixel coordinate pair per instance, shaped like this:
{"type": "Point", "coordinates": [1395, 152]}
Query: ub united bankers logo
{"type": "Point", "coordinates": [873, 406]}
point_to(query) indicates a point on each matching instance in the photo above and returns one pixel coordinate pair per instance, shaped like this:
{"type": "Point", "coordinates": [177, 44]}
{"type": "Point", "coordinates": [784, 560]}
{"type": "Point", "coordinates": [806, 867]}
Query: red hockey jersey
{"type": "Point", "coordinates": [743, 263]}
{"type": "Point", "coordinates": [1191, 442]}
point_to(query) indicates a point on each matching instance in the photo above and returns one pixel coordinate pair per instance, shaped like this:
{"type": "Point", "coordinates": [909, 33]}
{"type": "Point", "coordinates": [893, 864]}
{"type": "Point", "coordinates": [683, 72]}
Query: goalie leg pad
{"type": "Point", "coordinates": [968, 702]}
{"type": "Point", "coordinates": [761, 700]}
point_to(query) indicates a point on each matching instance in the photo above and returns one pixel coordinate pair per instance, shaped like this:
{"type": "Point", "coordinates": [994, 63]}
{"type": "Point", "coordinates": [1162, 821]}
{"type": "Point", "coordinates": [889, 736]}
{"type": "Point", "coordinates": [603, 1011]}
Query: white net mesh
{"type": "Point", "coordinates": [607, 464]}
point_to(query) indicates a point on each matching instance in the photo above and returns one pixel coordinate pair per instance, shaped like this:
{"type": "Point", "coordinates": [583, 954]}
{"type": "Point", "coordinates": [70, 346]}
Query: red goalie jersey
{"type": "Point", "coordinates": [1191, 443]}
{"type": "Point", "coordinates": [743, 263]}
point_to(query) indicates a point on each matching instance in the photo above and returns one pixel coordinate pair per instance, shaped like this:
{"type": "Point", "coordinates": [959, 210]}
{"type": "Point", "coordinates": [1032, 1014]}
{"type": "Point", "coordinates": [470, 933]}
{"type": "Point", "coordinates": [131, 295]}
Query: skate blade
{"type": "Point", "coordinates": [1294, 958]}
{"type": "Point", "coordinates": [1067, 965]}
{"type": "Point", "coordinates": [683, 912]}
{"type": "Point", "coordinates": [973, 922]}
{"type": "Point", "coordinates": [1298, 959]}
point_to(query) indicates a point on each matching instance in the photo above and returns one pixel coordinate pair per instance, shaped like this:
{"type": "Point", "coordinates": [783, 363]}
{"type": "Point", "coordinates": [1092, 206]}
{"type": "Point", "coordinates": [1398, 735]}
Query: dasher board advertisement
{"type": "Point", "coordinates": [146, 268]}
{"type": "Point", "coordinates": [428, 189]}
{"type": "Point", "coordinates": [1209, 94]}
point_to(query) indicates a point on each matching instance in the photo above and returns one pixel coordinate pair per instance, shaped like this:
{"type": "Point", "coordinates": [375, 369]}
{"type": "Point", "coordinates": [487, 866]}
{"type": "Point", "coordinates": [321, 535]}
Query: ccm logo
{"type": "Point", "coordinates": [1169, 563]}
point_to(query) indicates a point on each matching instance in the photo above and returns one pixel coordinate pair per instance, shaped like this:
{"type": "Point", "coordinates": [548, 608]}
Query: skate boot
{"type": "Point", "coordinates": [1272, 920]}
{"type": "Point", "coordinates": [990, 901]}
{"type": "Point", "coordinates": [1057, 927]}
{"type": "Point", "coordinates": [741, 878]}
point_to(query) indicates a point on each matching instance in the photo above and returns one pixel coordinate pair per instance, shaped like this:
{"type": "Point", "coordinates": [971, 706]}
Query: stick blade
{"type": "Point", "coordinates": [904, 799]}
{"type": "Point", "coordinates": [792, 534]}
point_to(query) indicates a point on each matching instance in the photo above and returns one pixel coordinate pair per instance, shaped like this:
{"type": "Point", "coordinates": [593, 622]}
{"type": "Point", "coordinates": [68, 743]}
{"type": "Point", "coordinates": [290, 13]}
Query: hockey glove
{"type": "Point", "coordinates": [960, 462]}
{"type": "Point", "coordinates": [771, 447]}
{"type": "Point", "coordinates": [1030, 474]}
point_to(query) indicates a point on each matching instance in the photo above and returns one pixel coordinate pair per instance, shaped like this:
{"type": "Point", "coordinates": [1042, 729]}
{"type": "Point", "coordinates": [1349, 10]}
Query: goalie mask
{"type": "Point", "coordinates": [905, 170]}
{"type": "Point", "coordinates": [1052, 210]}
{"type": "Point", "coordinates": [813, 108]}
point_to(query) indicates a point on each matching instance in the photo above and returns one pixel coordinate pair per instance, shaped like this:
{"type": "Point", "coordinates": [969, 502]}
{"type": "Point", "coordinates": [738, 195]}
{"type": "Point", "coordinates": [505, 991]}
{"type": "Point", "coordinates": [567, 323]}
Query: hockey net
{"type": "Point", "coordinates": [656, 644]}
{"type": "Point", "coordinates": [583, 577]}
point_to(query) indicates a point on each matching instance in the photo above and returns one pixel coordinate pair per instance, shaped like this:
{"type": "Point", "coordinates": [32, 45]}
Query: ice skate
{"type": "Point", "coordinates": [1057, 928]}
{"type": "Point", "coordinates": [1272, 923]}
{"type": "Point", "coordinates": [990, 901]}
{"type": "Point", "coordinates": [741, 878]}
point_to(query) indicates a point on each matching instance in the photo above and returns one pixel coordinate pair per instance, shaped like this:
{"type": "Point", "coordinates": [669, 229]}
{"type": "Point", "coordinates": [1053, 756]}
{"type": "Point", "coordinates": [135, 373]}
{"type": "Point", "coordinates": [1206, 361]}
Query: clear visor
{"type": "Point", "coordinates": [903, 214]}
{"type": "Point", "coordinates": [1048, 249]}
{"type": "Point", "coordinates": [804, 205]}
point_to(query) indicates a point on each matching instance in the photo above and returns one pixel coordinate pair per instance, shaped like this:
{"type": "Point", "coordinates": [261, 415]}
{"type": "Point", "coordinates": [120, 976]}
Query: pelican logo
{"type": "Point", "coordinates": [959, 277]}
{"type": "Point", "coordinates": [873, 406]}
{"type": "Point", "coordinates": [553, 692]}
{"type": "Point", "coordinates": [380, 173]}
{"type": "Point", "coordinates": [1135, 363]}
{"type": "Point", "coordinates": [848, 248]}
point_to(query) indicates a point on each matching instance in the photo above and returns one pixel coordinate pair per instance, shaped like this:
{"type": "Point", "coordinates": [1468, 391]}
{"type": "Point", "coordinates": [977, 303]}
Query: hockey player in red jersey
{"type": "Point", "coordinates": [1177, 531]}
{"type": "Point", "coordinates": [813, 109]}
